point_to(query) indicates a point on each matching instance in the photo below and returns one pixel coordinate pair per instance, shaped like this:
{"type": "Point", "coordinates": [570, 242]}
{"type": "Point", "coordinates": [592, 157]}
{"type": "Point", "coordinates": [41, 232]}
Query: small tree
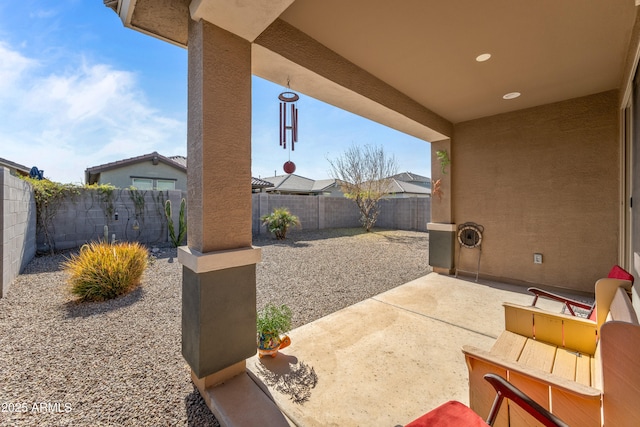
{"type": "Point", "coordinates": [365, 174]}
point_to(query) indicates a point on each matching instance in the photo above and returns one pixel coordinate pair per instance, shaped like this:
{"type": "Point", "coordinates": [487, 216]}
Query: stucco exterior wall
{"type": "Point", "coordinates": [541, 180]}
{"type": "Point", "coordinates": [18, 231]}
{"type": "Point", "coordinates": [121, 177]}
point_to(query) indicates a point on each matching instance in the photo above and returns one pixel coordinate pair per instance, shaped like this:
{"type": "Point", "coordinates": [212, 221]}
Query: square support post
{"type": "Point", "coordinates": [219, 275]}
{"type": "Point", "coordinates": [441, 228]}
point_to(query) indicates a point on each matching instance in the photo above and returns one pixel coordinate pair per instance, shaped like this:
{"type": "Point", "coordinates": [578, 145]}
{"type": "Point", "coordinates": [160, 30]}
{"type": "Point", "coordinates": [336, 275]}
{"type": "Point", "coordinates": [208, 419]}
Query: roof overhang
{"type": "Point", "coordinates": [169, 19]}
{"type": "Point", "coordinates": [411, 65]}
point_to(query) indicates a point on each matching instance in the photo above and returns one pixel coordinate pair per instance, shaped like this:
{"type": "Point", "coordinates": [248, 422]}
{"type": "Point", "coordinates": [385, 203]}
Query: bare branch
{"type": "Point", "coordinates": [364, 174]}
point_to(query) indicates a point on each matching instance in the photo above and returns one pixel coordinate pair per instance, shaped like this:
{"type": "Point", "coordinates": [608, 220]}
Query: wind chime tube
{"type": "Point", "coordinates": [293, 126]}
{"type": "Point", "coordinates": [281, 133]}
{"type": "Point", "coordinates": [284, 125]}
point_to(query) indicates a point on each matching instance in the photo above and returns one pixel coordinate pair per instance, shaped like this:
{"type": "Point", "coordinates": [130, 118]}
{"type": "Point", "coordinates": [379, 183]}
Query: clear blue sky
{"type": "Point", "coordinates": [77, 89]}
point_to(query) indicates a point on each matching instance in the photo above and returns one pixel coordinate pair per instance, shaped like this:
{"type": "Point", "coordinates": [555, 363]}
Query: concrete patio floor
{"type": "Point", "coordinates": [388, 359]}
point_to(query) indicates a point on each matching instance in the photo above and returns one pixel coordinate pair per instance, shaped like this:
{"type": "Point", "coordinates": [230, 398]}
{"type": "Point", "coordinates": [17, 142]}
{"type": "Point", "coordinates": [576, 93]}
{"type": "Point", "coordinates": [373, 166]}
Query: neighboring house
{"type": "Point", "coordinates": [259, 185]}
{"type": "Point", "coordinates": [14, 168]}
{"type": "Point", "coordinates": [296, 184]}
{"type": "Point", "coordinates": [402, 186]}
{"type": "Point", "coordinates": [413, 178]}
{"type": "Point", "coordinates": [401, 189]}
{"type": "Point", "coordinates": [151, 171]}
{"type": "Point", "coordinates": [407, 184]}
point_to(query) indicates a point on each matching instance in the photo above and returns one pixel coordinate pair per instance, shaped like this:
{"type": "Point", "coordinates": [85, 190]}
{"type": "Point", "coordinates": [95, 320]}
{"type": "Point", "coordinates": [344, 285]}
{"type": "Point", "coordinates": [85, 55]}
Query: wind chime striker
{"type": "Point", "coordinates": [288, 125]}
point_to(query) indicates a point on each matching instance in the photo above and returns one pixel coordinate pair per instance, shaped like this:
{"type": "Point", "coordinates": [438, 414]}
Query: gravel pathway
{"type": "Point", "coordinates": [118, 363]}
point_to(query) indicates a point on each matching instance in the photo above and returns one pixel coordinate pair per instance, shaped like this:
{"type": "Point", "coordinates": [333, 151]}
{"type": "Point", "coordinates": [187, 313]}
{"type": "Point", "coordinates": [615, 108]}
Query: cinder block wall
{"type": "Point", "coordinates": [317, 212]}
{"type": "Point", "coordinates": [18, 229]}
{"type": "Point", "coordinates": [82, 218]}
{"type": "Point", "coordinates": [405, 214]}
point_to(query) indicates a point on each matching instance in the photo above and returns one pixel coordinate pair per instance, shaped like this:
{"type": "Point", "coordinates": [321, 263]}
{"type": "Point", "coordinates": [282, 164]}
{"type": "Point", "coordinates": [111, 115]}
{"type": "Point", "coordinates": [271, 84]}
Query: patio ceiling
{"type": "Point", "coordinates": [424, 50]}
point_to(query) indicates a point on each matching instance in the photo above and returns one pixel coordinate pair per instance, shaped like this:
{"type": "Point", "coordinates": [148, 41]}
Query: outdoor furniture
{"type": "Point", "coordinates": [454, 413]}
{"type": "Point", "coordinates": [584, 372]}
{"type": "Point", "coordinates": [616, 272]}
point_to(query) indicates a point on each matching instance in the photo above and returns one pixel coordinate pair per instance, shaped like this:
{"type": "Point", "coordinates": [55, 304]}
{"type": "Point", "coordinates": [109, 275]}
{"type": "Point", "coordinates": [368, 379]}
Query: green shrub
{"type": "Point", "coordinates": [103, 271]}
{"type": "Point", "coordinates": [274, 319]}
{"type": "Point", "coordinates": [279, 221]}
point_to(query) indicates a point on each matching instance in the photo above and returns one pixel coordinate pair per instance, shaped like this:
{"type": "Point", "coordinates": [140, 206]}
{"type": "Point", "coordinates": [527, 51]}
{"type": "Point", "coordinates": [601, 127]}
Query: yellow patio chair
{"type": "Point", "coordinates": [455, 414]}
{"type": "Point", "coordinates": [616, 272]}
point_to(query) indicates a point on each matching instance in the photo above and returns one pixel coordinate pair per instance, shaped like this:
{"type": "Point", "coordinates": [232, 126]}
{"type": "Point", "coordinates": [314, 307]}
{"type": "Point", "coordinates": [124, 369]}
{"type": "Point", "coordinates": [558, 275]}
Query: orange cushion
{"type": "Point", "coordinates": [618, 272]}
{"type": "Point", "coordinates": [450, 414]}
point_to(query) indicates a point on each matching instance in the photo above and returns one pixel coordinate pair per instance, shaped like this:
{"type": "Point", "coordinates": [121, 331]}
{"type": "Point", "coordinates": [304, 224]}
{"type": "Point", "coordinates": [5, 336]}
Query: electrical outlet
{"type": "Point", "coordinates": [537, 258]}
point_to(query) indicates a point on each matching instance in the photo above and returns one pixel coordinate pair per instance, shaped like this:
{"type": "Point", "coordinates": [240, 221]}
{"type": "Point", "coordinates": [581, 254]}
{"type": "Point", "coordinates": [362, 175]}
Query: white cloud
{"type": "Point", "coordinates": [64, 121]}
{"type": "Point", "coordinates": [12, 66]}
{"type": "Point", "coordinates": [43, 13]}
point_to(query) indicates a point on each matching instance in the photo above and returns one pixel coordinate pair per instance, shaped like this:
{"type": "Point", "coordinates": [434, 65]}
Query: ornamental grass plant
{"type": "Point", "coordinates": [103, 271]}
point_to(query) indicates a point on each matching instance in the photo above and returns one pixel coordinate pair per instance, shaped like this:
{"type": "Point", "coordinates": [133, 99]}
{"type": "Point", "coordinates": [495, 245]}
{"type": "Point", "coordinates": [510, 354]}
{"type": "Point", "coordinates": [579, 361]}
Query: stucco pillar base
{"type": "Point", "coordinates": [441, 246]}
{"type": "Point", "coordinates": [440, 270]}
{"type": "Point", "coordinates": [218, 311]}
{"type": "Point", "coordinates": [219, 377]}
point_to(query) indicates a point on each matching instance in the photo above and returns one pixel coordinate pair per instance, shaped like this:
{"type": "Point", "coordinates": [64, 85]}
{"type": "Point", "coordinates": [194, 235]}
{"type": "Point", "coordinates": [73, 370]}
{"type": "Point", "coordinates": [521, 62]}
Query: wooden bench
{"type": "Point", "coordinates": [576, 368]}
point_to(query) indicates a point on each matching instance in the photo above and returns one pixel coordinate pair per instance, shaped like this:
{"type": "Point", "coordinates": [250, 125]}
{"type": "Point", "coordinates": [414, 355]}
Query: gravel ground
{"type": "Point", "coordinates": [118, 363]}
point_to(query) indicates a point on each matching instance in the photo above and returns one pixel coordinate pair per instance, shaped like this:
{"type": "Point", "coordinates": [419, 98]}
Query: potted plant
{"type": "Point", "coordinates": [272, 322]}
{"type": "Point", "coordinates": [279, 221]}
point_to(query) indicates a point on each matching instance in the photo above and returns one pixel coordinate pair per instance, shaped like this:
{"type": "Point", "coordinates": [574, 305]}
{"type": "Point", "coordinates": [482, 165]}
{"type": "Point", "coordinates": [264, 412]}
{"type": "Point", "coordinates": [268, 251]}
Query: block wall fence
{"type": "Point", "coordinates": [317, 212]}
{"type": "Point", "coordinates": [18, 213]}
{"type": "Point", "coordinates": [140, 217]}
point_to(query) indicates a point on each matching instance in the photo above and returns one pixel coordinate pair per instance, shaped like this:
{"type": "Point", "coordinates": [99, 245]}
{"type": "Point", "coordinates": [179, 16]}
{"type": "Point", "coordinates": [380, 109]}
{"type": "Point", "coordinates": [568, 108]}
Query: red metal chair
{"type": "Point", "coordinates": [455, 414]}
{"type": "Point", "coordinates": [616, 272]}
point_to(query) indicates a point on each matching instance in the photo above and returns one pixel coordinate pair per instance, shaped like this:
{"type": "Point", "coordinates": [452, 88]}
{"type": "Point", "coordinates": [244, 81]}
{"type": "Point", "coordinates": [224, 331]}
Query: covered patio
{"type": "Point", "coordinates": [533, 103]}
{"type": "Point", "coordinates": [386, 360]}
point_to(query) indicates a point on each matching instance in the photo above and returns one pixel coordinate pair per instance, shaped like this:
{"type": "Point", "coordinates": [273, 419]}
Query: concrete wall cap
{"type": "Point", "coordinates": [213, 261]}
{"type": "Point", "coordinates": [436, 226]}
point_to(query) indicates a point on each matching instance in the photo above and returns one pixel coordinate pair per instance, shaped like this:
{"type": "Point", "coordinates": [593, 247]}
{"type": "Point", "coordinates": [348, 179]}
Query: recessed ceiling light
{"type": "Point", "coordinates": [483, 57]}
{"type": "Point", "coordinates": [511, 95]}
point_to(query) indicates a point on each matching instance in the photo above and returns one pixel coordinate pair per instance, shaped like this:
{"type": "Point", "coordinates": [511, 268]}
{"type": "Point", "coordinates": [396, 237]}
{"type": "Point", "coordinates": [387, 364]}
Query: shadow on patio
{"type": "Point", "coordinates": [390, 358]}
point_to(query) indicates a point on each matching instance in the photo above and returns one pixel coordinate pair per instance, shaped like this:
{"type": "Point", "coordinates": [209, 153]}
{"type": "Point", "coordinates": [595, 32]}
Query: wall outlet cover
{"type": "Point", "coordinates": [537, 258]}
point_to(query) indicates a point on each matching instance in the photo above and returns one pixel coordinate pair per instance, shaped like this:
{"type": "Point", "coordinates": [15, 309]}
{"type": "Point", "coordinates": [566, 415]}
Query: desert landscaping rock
{"type": "Point", "coordinates": [119, 363]}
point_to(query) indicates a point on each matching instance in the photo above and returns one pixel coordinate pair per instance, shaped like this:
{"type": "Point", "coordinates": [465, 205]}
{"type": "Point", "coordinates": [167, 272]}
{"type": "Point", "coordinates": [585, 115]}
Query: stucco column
{"type": "Point", "coordinates": [219, 273]}
{"type": "Point", "coordinates": [441, 228]}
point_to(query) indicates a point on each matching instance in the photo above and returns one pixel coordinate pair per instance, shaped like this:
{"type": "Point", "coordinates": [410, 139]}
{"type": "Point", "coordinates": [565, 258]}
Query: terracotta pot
{"type": "Point", "coordinates": [269, 343]}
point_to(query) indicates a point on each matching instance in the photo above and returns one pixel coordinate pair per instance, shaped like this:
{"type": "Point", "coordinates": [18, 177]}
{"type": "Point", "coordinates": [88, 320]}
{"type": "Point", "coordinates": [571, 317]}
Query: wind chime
{"type": "Point", "coordinates": [288, 124]}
